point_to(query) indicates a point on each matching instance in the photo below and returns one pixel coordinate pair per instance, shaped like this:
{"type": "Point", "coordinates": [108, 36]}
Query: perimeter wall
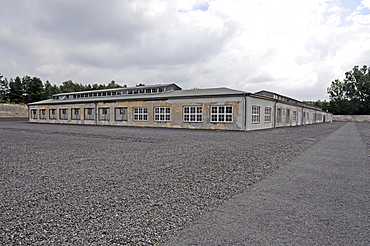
{"type": "Point", "coordinates": [355, 118]}
{"type": "Point", "coordinates": [13, 110]}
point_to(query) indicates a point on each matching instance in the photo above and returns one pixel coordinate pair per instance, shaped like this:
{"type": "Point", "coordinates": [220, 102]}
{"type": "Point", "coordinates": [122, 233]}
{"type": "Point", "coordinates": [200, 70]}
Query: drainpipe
{"type": "Point", "coordinates": [245, 112]}
{"type": "Point", "coordinates": [275, 114]}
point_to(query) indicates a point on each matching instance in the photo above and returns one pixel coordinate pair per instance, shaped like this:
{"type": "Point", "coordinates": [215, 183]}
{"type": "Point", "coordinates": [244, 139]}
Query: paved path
{"type": "Point", "coordinates": [320, 198]}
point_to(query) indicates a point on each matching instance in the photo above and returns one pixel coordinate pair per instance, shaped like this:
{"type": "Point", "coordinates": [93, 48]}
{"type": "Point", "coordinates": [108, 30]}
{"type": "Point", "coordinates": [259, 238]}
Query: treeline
{"type": "Point", "coordinates": [349, 97]}
{"type": "Point", "coordinates": [352, 95]}
{"type": "Point", "coordinates": [31, 89]}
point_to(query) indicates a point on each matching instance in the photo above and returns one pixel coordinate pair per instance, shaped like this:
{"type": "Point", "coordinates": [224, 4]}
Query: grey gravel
{"type": "Point", "coordinates": [99, 185]}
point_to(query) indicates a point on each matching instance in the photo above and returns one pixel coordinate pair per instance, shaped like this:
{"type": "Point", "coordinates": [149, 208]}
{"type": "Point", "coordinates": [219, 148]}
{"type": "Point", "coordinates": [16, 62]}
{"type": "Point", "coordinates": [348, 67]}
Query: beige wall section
{"type": "Point", "coordinates": [176, 106]}
{"type": "Point", "coordinates": [282, 114]}
{"type": "Point", "coordinates": [356, 118]}
{"type": "Point", "coordinates": [13, 110]}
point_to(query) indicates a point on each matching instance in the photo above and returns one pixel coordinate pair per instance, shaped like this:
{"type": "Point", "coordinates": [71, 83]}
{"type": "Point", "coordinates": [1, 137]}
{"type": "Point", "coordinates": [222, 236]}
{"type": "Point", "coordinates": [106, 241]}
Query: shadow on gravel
{"type": "Point", "coordinates": [73, 184]}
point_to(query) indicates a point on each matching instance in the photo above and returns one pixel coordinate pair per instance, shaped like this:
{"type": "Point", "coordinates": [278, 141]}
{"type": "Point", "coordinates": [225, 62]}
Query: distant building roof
{"type": "Point", "coordinates": [177, 93]}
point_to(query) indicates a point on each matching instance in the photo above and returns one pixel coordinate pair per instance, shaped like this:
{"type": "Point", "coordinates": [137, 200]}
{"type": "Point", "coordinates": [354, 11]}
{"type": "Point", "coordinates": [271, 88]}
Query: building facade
{"type": "Point", "coordinates": [167, 105]}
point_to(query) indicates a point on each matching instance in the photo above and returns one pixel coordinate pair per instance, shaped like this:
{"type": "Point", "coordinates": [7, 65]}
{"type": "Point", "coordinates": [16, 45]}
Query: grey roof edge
{"type": "Point", "coordinates": [207, 92]}
{"type": "Point", "coordinates": [300, 103]}
{"type": "Point", "coordinates": [117, 89]}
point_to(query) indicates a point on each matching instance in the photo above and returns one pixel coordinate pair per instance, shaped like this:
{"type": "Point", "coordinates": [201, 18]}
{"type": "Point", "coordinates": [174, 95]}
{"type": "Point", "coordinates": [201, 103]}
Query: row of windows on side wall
{"type": "Point", "coordinates": [190, 114]}
{"type": "Point", "coordinates": [256, 114]}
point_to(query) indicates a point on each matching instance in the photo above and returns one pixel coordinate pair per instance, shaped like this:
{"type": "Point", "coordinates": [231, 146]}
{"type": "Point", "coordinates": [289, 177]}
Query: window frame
{"type": "Point", "coordinates": [52, 114]}
{"type": "Point", "coordinates": [256, 114]}
{"type": "Point", "coordinates": [104, 111]}
{"type": "Point", "coordinates": [42, 114]}
{"type": "Point", "coordinates": [279, 115]}
{"type": "Point", "coordinates": [75, 114]}
{"type": "Point", "coordinates": [123, 116]}
{"type": "Point", "coordinates": [221, 114]}
{"type": "Point", "coordinates": [88, 116]}
{"type": "Point", "coordinates": [34, 114]}
{"type": "Point", "coordinates": [192, 114]}
{"type": "Point", "coordinates": [162, 113]}
{"type": "Point", "coordinates": [63, 116]}
{"type": "Point", "coordinates": [140, 114]}
{"type": "Point", "coordinates": [268, 114]}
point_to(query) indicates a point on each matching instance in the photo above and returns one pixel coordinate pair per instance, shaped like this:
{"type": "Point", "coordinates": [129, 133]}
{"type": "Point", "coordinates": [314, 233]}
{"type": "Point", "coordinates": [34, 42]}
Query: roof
{"type": "Point", "coordinates": [218, 92]}
{"type": "Point", "coordinates": [119, 89]}
{"type": "Point", "coordinates": [283, 98]}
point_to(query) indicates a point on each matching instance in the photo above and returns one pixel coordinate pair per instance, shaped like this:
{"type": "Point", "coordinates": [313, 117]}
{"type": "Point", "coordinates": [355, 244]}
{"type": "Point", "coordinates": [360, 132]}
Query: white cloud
{"type": "Point", "coordinates": [287, 46]}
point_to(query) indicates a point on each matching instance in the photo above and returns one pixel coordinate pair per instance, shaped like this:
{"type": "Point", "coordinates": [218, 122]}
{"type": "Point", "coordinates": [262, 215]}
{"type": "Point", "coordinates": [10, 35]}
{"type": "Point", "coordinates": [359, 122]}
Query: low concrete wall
{"type": "Point", "coordinates": [355, 118]}
{"type": "Point", "coordinates": [13, 110]}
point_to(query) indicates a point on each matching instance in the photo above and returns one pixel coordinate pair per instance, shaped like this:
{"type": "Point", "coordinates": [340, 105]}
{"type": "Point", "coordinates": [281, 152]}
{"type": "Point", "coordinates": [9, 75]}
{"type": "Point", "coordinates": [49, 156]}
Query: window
{"type": "Point", "coordinates": [162, 113]}
{"type": "Point", "coordinates": [120, 114]}
{"type": "Point", "coordinates": [76, 114]}
{"type": "Point", "coordinates": [52, 114]}
{"type": "Point", "coordinates": [42, 113]}
{"type": "Point", "coordinates": [279, 115]}
{"type": "Point", "coordinates": [89, 114]}
{"type": "Point", "coordinates": [294, 117]}
{"type": "Point", "coordinates": [267, 114]}
{"type": "Point", "coordinates": [193, 113]}
{"type": "Point", "coordinates": [255, 114]}
{"type": "Point", "coordinates": [63, 114]}
{"type": "Point", "coordinates": [288, 116]}
{"type": "Point", "coordinates": [141, 114]}
{"type": "Point", "coordinates": [222, 113]}
{"type": "Point", "coordinates": [34, 113]}
{"type": "Point", "coordinates": [104, 114]}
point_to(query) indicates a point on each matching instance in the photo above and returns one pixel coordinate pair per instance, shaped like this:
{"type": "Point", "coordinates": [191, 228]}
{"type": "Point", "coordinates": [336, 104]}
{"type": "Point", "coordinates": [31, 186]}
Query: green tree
{"type": "Point", "coordinates": [324, 105]}
{"type": "Point", "coordinates": [16, 90]}
{"type": "Point", "coordinates": [33, 89]}
{"type": "Point", "coordinates": [352, 95]}
{"type": "Point", "coordinates": [50, 90]}
{"type": "Point", "coordinates": [70, 86]}
{"type": "Point", "coordinates": [4, 89]}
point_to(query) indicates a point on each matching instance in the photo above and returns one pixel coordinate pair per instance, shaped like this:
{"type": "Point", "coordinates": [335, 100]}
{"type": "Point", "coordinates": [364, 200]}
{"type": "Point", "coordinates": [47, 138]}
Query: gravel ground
{"type": "Point", "coordinates": [95, 185]}
{"type": "Point", "coordinates": [364, 129]}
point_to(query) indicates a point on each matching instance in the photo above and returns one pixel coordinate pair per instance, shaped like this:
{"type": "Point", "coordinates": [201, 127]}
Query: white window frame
{"type": "Point", "coordinates": [294, 116]}
{"type": "Point", "coordinates": [87, 115]}
{"type": "Point", "coordinates": [268, 111]}
{"type": "Point", "coordinates": [193, 113]}
{"type": "Point", "coordinates": [42, 114]}
{"type": "Point", "coordinates": [52, 114]}
{"type": "Point", "coordinates": [222, 113]}
{"type": "Point", "coordinates": [63, 114]}
{"type": "Point", "coordinates": [75, 114]}
{"type": "Point", "coordinates": [162, 114]}
{"type": "Point", "coordinates": [104, 114]}
{"type": "Point", "coordinates": [34, 114]}
{"type": "Point", "coordinates": [120, 113]}
{"type": "Point", "coordinates": [256, 110]}
{"type": "Point", "coordinates": [140, 114]}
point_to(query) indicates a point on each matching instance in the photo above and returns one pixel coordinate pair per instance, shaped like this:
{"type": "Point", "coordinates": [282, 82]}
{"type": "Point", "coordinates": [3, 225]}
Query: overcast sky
{"type": "Point", "coordinates": [292, 47]}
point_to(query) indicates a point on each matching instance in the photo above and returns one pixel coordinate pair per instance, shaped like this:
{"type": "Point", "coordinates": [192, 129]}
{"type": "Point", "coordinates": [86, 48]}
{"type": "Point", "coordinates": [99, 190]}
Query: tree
{"type": "Point", "coordinates": [33, 89]}
{"type": "Point", "coordinates": [4, 89]}
{"type": "Point", "coordinates": [16, 90]}
{"type": "Point", "coordinates": [324, 105]}
{"type": "Point", "coordinates": [352, 95]}
{"type": "Point", "coordinates": [70, 86]}
{"type": "Point", "coordinates": [50, 90]}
